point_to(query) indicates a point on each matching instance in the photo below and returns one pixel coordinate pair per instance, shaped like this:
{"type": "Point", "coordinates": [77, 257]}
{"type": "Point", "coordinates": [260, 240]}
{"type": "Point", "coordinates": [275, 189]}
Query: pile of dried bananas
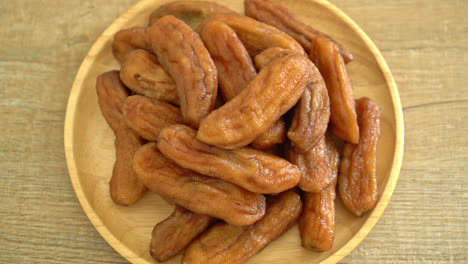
{"type": "Point", "coordinates": [283, 134]}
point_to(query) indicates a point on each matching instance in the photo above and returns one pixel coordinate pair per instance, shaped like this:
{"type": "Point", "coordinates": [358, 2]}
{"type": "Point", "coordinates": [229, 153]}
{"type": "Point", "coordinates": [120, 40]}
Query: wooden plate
{"type": "Point", "coordinates": [89, 143]}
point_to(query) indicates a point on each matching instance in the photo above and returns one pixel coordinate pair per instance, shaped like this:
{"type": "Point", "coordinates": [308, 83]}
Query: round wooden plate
{"type": "Point", "coordinates": [89, 143]}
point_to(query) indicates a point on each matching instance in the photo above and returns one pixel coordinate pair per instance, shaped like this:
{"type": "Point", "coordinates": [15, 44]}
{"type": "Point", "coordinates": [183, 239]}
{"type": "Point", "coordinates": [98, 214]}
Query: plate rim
{"type": "Point", "coordinates": [130, 255]}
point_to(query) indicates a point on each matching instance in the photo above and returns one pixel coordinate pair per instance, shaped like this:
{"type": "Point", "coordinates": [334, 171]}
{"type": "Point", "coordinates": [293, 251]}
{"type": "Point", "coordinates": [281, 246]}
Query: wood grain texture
{"type": "Point", "coordinates": [424, 42]}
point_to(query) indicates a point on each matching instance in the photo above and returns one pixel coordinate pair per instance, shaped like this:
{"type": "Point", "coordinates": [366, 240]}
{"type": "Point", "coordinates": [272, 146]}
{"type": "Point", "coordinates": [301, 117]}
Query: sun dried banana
{"type": "Point", "coordinates": [147, 116]}
{"type": "Point", "coordinates": [174, 233]}
{"type": "Point", "coordinates": [235, 71]}
{"type": "Point", "coordinates": [315, 165]}
{"type": "Point", "coordinates": [226, 244]}
{"type": "Point", "coordinates": [125, 187]}
{"type": "Point", "coordinates": [142, 73]}
{"type": "Point", "coordinates": [317, 222]}
{"type": "Point", "coordinates": [181, 51]}
{"type": "Point", "coordinates": [127, 40]}
{"type": "Point", "coordinates": [357, 181]}
{"type": "Point", "coordinates": [234, 65]}
{"type": "Point", "coordinates": [198, 193]}
{"type": "Point", "coordinates": [268, 96]}
{"type": "Point", "coordinates": [273, 13]}
{"type": "Point", "coordinates": [258, 36]}
{"type": "Point", "coordinates": [326, 56]}
{"type": "Point", "coordinates": [252, 169]}
{"type": "Point", "coordinates": [311, 116]}
{"type": "Point", "coordinates": [191, 12]}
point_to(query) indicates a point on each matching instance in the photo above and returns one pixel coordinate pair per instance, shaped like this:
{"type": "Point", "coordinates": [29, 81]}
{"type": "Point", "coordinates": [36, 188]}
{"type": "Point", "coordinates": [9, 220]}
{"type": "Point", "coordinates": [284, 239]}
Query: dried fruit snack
{"type": "Point", "coordinates": [273, 13]}
{"type": "Point", "coordinates": [181, 51]}
{"type": "Point", "coordinates": [147, 116]}
{"type": "Point", "coordinates": [227, 244]}
{"type": "Point", "coordinates": [174, 233]}
{"type": "Point", "coordinates": [198, 193]}
{"type": "Point", "coordinates": [275, 89]}
{"type": "Point", "coordinates": [357, 181]}
{"type": "Point", "coordinates": [125, 187]}
{"type": "Point", "coordinates": [142, 73]}
{"type": "Point", "coordinates": [252, 169]}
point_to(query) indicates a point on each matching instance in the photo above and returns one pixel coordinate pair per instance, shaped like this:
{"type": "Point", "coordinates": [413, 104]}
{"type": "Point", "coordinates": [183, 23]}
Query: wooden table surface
{"type": "Point", "coordinates": [42, 44]}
